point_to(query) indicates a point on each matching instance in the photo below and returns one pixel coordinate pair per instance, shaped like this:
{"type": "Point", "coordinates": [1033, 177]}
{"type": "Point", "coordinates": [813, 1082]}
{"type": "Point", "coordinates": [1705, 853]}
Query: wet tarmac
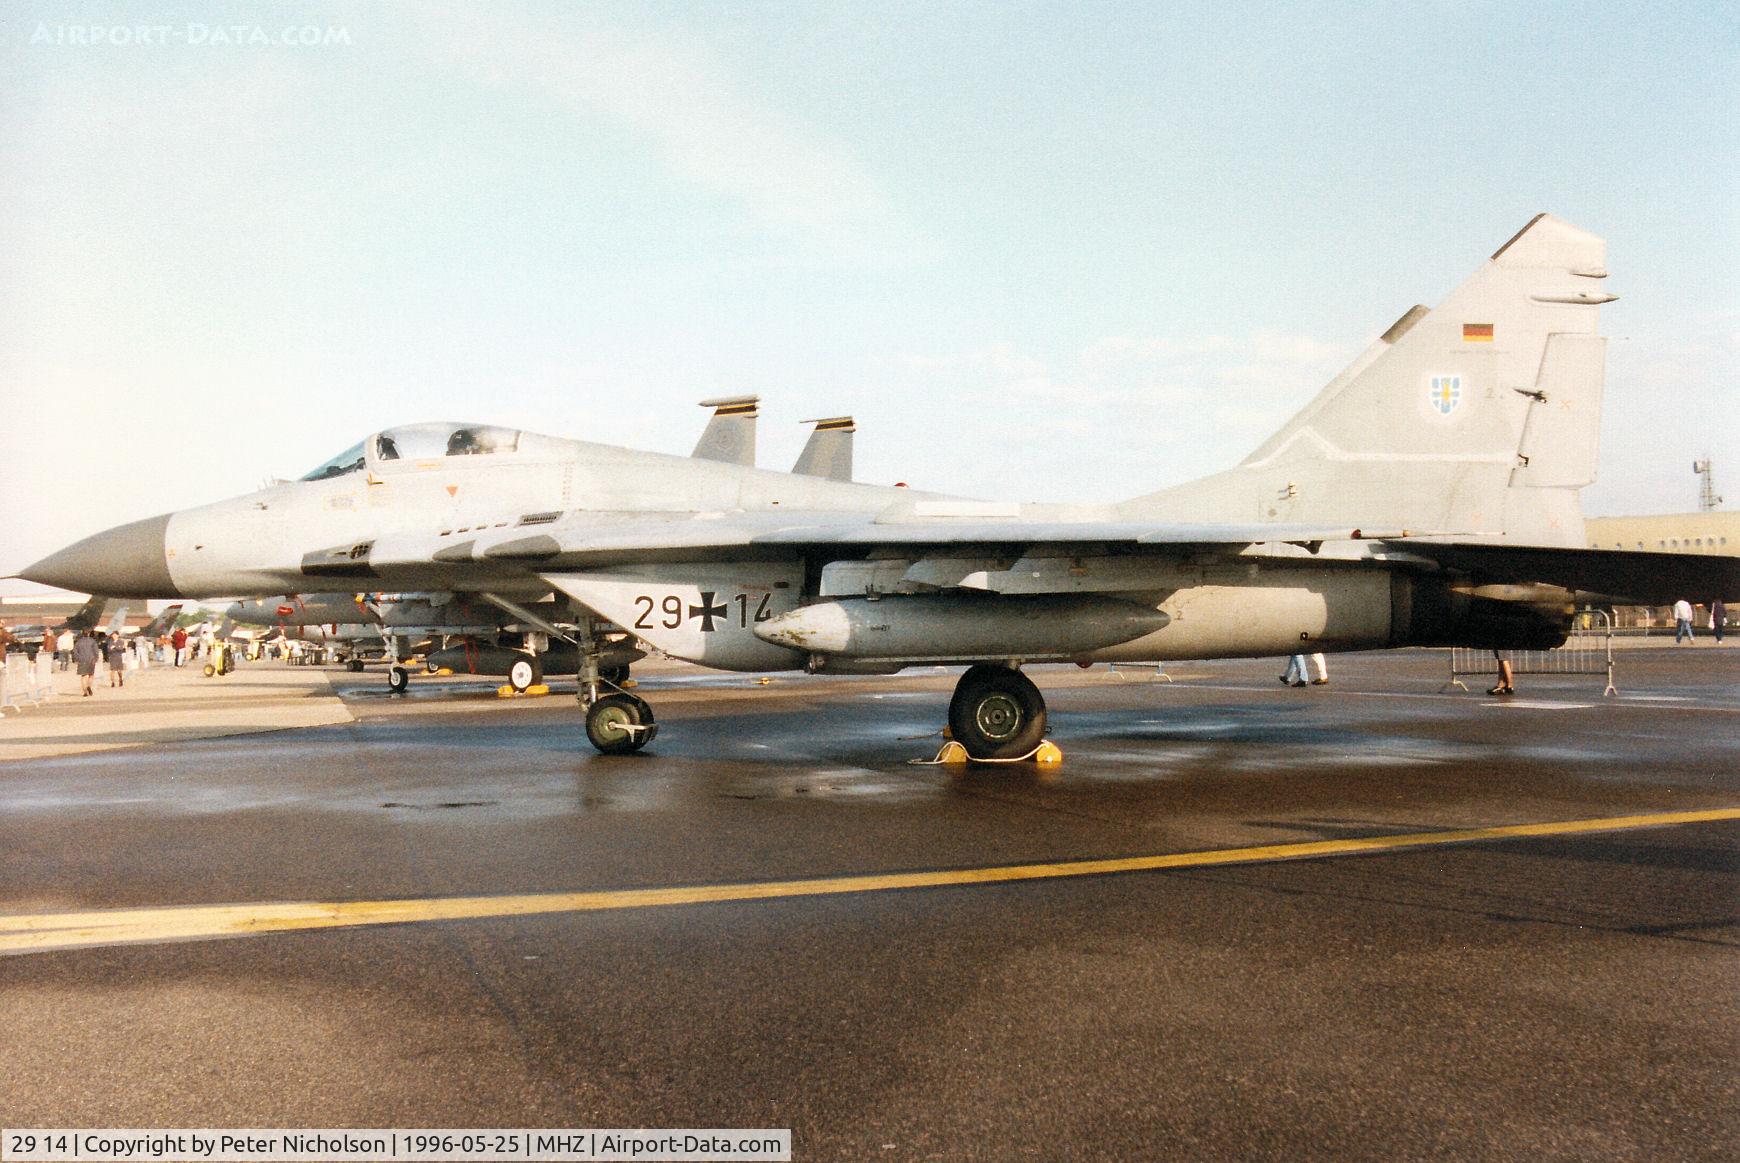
{"type": "Point", "coordinates": [773, 919]}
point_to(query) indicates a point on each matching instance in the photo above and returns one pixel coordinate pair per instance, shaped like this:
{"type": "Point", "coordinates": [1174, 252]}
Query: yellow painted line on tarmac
{"type": "Point", "coordinates": [42, 932]}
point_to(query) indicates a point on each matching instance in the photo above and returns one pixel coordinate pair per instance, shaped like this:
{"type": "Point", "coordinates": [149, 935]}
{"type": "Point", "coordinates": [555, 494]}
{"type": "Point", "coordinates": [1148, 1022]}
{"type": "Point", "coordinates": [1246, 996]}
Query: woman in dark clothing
{"type": "Point", "coordinates": [117, 661]}
{"type": "Point", "coordinates": [86, 651]}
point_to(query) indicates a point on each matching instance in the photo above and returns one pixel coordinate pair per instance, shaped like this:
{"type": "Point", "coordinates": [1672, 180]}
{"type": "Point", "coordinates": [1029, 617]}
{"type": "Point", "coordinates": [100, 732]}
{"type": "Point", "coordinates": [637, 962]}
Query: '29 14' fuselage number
{"type": "Point", "coordinates": [672, 611]}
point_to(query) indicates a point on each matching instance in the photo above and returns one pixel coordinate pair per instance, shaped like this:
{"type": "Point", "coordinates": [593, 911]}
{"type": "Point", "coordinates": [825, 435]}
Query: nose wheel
{"type": "Point", "coordinates": [398, 678]}
{"type": "Point", "coordinates": [618, 724]}
{"type": "Point", "coordinates": [997, 713]}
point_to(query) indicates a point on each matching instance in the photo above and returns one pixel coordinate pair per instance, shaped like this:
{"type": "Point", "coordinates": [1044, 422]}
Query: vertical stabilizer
{"type": "Point", "coordinates": [730, 434]}
{"type": "Point", "coordinates": [828, 452]}
{"type": "Point", "coordinates": [1479, 416]}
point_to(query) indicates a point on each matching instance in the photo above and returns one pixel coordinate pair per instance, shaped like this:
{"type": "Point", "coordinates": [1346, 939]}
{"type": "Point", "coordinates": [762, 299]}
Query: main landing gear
{"type": "Point", "coordinates": [997, 713]}
{"type": "Point", "coordinates": [524, 674]}
{"type": "Point", "coordinates": [617, 722]}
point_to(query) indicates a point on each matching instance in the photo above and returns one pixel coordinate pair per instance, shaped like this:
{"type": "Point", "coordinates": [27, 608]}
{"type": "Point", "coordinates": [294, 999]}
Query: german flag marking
{"type": "Point", "coordinates": [1477, 333]}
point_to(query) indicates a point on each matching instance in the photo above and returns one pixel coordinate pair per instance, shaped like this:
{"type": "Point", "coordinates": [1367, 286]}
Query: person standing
{"type": "Point", "coordinates": [1682, 621]}
{"type": "Point", "coordinates": [1718, 618]}
{"type": "Point", "coordinates": [117, 651]}
{"type": "Point", "coordinates": [178, 641]}
{"type": "Point", "coordinates": [1506, 677]}
{"type": "Point", "coordinates": [1298, 673]}
{"type": "Point", "coordinates": [85, 651]}
{"type": "Point", "coordinates": [63, 648]}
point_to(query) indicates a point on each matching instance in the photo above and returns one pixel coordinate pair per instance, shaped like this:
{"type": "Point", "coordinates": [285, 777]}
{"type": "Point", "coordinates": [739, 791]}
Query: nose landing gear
{"type": "Point", "coordinates": [617, 723]}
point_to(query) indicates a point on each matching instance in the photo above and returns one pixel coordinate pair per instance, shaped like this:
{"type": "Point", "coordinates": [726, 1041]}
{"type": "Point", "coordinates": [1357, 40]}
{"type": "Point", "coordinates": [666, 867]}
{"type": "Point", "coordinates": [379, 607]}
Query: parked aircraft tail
{"type": "Point", "coordinates": [730, 434]}
{"type": "Point", "coordinates": [828, 452]}
{"type": "Point", "coordinates": [88, 615]}
{"type": "Point", "coordinates": [162, 623]}
{"type": "Point", "coordinates": [1479, 417]}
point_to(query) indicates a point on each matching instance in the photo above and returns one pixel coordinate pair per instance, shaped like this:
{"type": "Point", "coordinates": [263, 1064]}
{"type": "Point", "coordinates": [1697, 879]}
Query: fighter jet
{"type": "Point", "coordinates": [1427, 496]}
{"type": "Point", "coordinates": [32, 638]}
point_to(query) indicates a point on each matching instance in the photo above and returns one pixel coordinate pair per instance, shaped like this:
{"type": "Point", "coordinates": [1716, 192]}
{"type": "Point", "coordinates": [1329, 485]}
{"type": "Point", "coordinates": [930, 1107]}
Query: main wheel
{"type": "Point", "coordinates": [619, 724]}
{"type": "Point", "coordinates": [997, 713]}
{"type": "Point", "coordinates": [614, 675]}
{"type": "Point", "coordinates": [354, 665]}
{"type": "Point", "coordinates": [398, 679]}
{"type": "Point", "coordinates": [524, 673]}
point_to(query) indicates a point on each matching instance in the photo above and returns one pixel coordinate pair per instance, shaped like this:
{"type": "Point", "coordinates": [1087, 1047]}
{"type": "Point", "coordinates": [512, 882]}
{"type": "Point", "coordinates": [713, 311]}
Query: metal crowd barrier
{"type": "Point", "coordinates": [1588, 650]}
{"type": "Point", "coordinates": [17, 683]}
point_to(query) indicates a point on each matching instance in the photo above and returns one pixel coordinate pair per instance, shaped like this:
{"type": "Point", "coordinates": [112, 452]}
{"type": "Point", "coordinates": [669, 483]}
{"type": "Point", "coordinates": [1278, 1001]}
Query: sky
{"type": "Point", "coordinates": [1067, 251]}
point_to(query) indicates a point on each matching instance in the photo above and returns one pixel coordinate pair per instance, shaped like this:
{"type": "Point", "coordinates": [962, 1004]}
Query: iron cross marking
{"type": "Point", "coordinates": [707, 611]}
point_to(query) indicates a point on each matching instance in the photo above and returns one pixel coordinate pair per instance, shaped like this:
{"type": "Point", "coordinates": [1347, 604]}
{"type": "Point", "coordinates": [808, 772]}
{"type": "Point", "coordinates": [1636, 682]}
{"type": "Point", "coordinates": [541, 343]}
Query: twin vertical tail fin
{"type": "Point", "coordinates": [730, 435]}
{"type": "Point", "coordinates": [1480, 416]}
{"type": "Point", "coordinates": [828, 452]}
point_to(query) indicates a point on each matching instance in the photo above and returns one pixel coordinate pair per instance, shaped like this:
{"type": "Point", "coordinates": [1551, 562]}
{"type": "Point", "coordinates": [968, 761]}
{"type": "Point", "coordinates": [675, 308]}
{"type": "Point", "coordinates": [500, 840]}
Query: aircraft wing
{"type": "Point", "coordinates": [1646, 578]}
{"type": "Point", "coordinates": [741, 535]}
{"type": "Point", "coordinates": [643, 540]}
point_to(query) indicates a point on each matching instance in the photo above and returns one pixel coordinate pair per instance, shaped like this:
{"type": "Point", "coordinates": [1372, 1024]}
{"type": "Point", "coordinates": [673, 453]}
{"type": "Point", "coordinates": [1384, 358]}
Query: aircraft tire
{"type": "Point", "coordinates": [354, 665]}
{"type": "Point", "coordinates": [608, 718]}
{"type": "Point", "coordinates": [613, 675]}
{"type": "Point", "coordinates": [398, 679]}
{"type": "Point", "coordinates": [524, 673]}
{"type": "Point", "coordinates": [997, 713]}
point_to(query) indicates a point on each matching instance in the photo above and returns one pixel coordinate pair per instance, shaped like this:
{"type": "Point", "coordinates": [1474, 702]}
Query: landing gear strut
{"type": "Point", "coordinates": [617, 723]}
{"type": "Point", "coordinates": [997, 713]}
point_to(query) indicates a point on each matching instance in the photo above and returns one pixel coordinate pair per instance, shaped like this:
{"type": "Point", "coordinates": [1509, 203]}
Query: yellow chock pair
{"type": "Point", "coordinates": [1046, 754]}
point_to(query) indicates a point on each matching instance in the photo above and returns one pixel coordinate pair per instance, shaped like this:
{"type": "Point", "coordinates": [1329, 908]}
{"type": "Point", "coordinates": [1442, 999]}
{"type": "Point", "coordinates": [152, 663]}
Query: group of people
{"type": "Point", "coordinates": [84, 650]}
{"type": "Point", "coordinates": [1685, 613]}
{"type": "Point", "coordinates": [91, 647]}
{"type": "Point", "coordinates": [1299, 674]}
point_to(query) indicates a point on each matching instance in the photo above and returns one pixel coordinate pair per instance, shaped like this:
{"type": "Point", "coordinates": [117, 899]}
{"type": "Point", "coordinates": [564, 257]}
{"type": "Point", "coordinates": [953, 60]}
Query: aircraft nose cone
{"type": "Point", "coordinates": [128, 561]}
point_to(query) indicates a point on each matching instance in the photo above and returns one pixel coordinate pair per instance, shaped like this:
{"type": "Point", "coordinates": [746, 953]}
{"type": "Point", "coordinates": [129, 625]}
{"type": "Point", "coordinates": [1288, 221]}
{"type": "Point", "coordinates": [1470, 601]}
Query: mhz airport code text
{"type": "Point", "coordinates": [347, 1145]}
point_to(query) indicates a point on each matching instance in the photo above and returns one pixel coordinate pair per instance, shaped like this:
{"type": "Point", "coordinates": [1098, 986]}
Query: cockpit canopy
{"type": "Point", "coordinates": [420, 442]}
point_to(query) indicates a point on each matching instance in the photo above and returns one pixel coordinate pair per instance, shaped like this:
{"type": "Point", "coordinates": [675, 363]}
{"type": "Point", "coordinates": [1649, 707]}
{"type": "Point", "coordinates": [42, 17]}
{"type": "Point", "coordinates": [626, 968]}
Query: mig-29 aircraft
{"type": "Point", "coordinates": [1427, 496]}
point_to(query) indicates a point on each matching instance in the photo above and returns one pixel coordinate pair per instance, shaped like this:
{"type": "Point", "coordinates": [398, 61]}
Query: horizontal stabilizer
{"type": "Point", "coordinates": [1622, 575]}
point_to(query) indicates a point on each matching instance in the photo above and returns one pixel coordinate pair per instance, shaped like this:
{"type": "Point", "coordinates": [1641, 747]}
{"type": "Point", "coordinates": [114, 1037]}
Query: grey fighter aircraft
{"type": "Point", "coordinates": [1427, 496]}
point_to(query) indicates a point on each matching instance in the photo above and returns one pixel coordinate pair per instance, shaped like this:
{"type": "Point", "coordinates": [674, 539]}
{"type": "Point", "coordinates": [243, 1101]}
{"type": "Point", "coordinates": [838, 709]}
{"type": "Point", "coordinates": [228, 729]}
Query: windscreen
{"type": "Point", "coordinates": [350, 460]}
